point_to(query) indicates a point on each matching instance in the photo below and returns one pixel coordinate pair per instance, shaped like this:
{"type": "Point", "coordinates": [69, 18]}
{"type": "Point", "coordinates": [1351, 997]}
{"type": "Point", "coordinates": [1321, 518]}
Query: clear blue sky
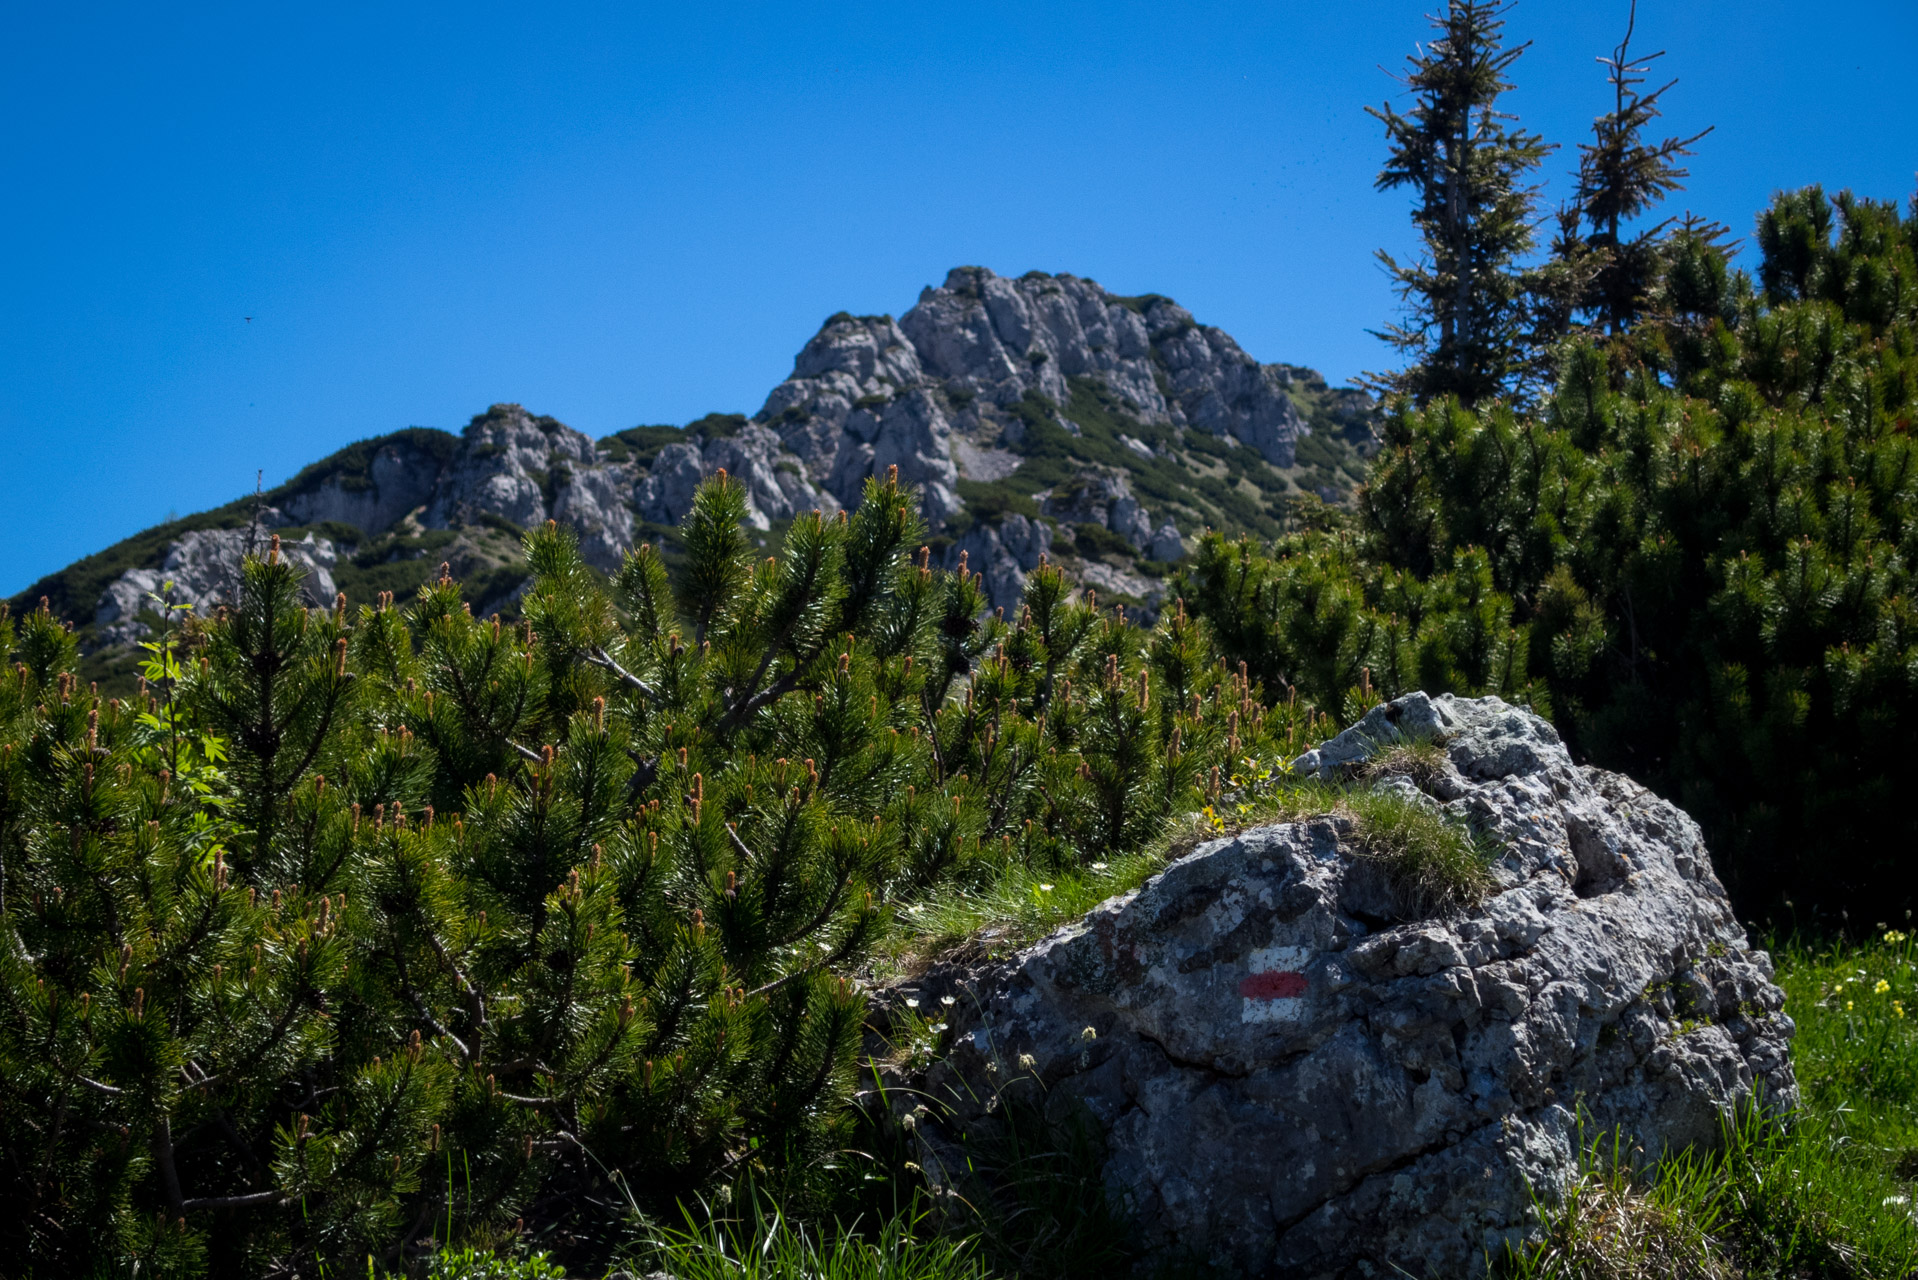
{"type": "Point", "coordinates": [639, 213]}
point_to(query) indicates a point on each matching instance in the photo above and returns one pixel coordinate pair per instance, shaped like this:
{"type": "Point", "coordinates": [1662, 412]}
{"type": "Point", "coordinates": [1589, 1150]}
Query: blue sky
{"type": "Point", "coordinates": [639, 213]}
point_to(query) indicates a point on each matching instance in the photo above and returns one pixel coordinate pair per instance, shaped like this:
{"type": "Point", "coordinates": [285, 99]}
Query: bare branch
{"type": "Point", "coordinates": [252, 1200]}
{"type": "Point", "coordinates": [600, 658]}
{"type": "Point", "coordinates": [740, 845]}
{"type": "Point", "coordinates": [538, 1104]}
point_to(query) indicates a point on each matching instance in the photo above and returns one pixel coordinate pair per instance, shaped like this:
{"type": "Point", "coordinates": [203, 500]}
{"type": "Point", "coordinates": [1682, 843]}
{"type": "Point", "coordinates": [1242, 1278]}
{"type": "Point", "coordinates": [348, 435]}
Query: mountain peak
{"type": "Point", "coordinates": [1038, 414]}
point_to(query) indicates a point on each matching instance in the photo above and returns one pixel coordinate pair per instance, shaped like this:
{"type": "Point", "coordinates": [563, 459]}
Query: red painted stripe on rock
{"type": "Point", "coordinates": [1272, 986]}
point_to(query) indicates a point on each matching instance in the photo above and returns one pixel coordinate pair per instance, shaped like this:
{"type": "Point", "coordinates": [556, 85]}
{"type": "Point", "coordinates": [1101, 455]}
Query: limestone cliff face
{"type": "Point", "coordinates": [1001, 339]}
{"type": "Point", "coordinates": [949, 392]}
{"type": "Point", "coordinates": [868, 391]}
{"type": "Point", "coordinates": [1102, 431]}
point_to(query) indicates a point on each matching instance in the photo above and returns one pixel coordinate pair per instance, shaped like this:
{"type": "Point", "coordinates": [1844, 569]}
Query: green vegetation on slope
{"type": "Point", "coordinates": [1197, 480]}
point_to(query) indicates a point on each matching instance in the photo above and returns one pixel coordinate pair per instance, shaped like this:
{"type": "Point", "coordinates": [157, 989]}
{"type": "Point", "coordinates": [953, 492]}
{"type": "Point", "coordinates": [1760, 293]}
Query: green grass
{"type": "Point", "coordinates": [1032, 1193]}
{"type": "Point", "coordinates": [1435, 865]}
{"type": "Point", "coordinates": [762, 1243]}
{"type": "Point", "coordinates": [1857, 1041]}
{"type": "Point", "coordinates": [1021, 905]}
{"type": "Point", "coordinates": [482, 1264]}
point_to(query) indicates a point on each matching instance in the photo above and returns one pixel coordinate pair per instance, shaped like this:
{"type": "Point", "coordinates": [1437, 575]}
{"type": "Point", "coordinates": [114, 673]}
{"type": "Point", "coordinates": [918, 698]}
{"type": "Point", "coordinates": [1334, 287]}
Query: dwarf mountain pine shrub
{"type": "Point", "coordinates": [1696, 555]}
{"type": "Point", "coordinates": [358, 934]}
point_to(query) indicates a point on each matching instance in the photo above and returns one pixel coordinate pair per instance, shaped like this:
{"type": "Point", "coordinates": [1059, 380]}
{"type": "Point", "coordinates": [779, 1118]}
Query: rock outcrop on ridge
{"type": "Point", "coordinates": [465, 504]}
{"type": "Point", "coordinates": [981, 343]}
{"type": "Point", "coordinates": [1039, 417]}
{"type": "Point", "coordinates": [949, 390]}
{"type": "Point", "coordinates": [200, 570]}
{"type": "Point", "coordinates": [1296, 1081]}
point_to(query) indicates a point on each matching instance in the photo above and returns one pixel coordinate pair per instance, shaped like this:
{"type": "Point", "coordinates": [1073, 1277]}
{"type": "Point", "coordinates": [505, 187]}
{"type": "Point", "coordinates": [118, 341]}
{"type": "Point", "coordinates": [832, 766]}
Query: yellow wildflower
{"type": "Point", "coordinates": [1882, 988]}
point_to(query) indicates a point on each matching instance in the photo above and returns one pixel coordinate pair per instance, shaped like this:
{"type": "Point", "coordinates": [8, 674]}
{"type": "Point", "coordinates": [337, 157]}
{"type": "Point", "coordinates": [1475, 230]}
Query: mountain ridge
{"type": "Point", "coordinates": [1038, 415]}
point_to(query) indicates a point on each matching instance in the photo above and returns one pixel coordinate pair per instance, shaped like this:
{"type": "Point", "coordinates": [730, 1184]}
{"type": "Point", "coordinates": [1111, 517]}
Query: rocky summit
{"type": "Point", "coordinates": [1038, 416]}
{"type": "Point", "coordinates": [1298, 1078]}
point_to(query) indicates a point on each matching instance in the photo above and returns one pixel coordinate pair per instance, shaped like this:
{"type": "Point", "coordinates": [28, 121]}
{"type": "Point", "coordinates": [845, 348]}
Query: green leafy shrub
{"type": "Point", "coordinates": [1095, 540]}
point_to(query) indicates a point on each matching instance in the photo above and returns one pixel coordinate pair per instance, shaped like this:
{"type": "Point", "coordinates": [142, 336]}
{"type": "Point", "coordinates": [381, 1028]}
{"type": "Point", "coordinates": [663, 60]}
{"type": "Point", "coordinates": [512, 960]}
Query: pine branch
{"type": "Point", "coordinates": [252, 1200]}
{"type": "Point", "coordinates": [600, 658]}
{"type": "Point", "coordinates": [825, 913]}
{"type": "Point", "coordinates": [419, 1006]}
{"type": "Point", "coordinates": [744, 852]}
{"type": "Point", "coordinates": [163, 1156]}
{"type": "Point", "coordinates": [537, 1104]}
{"type": "Point", "coordinates": [476, 1003]}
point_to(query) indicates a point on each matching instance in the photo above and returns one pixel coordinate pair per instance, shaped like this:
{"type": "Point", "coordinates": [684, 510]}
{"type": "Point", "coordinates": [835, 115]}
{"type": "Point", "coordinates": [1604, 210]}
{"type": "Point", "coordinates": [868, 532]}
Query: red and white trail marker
{"type": "Point", "coordinates": [1274, 986]}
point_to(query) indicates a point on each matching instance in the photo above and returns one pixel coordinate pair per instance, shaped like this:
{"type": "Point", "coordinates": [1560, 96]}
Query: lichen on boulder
{"type": "Point", "coordinates": [1299, 1077]}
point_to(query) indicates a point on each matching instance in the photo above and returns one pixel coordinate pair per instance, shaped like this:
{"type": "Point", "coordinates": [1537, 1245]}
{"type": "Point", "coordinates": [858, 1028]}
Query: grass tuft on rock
{"type": "Point", "coordinates": [1434, 863]}
{"type": "Point", "coordinates": [1421, 762]}
{"type": "Point", "coordinates": [1613, 1225]}
{"type": "Point", "coordinates": [1017, 907]}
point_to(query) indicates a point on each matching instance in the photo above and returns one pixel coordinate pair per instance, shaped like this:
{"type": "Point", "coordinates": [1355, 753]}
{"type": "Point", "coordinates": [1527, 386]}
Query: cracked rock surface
{"type": "Point", "coordinates": [1296, 1082]}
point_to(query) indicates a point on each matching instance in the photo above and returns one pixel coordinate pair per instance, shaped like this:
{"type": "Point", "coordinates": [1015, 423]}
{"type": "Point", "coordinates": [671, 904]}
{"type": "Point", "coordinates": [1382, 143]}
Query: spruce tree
{"type": "Point", "coordinates": [1467, 295]}
{"type": "Point", "coordinates": [1620, 176]}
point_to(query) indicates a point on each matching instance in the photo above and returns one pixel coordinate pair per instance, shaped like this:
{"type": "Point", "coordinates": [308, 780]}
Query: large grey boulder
{"type": "Point", "coordinates": [1295, 1081]}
